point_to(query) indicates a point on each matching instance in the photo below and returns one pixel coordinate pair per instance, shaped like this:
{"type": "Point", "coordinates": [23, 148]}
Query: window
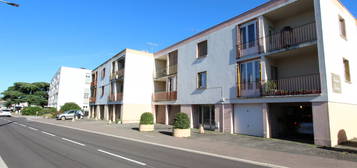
{"type": "Point", "coordinates": [102, 93]}
{"type": "Point", "coordinates": [248, 35]}
{"type": "Point", "coordinates": [202, 80]}
{"type": "Point", "coordinates": [88, 80]}
{"type": "Point", "coordinates": [202, 49]}
{"type": "Point", "coordinates": [86, 95]}
{"type": "Point", "coordinates": [103, 73]}
{"type": "Point", "coordinates": [342, 27]}
{"type": "Point", "coordinates": [347, 70]}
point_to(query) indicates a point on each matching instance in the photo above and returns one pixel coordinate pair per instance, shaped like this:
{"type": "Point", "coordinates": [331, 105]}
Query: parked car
{"type": "Point", "coordinates": [70, 115]}
{"type": "Point", "coordinates": [5, 113]}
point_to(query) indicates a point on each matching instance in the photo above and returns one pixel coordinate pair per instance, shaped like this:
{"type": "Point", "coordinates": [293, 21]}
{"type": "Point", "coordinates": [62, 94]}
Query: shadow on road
{"type": "Point", "coordinates": [6, 123]}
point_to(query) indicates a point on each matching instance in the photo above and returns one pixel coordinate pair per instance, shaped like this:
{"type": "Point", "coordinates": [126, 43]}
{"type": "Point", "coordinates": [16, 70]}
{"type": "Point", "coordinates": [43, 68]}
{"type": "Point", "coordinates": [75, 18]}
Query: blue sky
{"type": "Point", "coordinates": [42, 35]}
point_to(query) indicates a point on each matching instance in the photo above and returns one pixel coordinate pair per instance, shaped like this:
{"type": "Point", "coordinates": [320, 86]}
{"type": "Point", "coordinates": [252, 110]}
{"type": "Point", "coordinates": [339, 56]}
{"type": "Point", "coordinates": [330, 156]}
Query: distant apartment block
{"type": "Point", "coordinates": [122, 87]}
{"type": "Point", "coordinates": [70, 85]}
{"type": "Point", "coordinates": [285, 69]}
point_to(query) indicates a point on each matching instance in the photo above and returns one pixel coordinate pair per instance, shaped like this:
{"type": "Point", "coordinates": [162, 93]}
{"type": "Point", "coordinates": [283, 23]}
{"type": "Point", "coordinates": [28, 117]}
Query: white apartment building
{"type": "Point", "coordinates": [70, 85]}
{"type": "Point", "coordinates": [122, 87]}
{"type": "Point", "coordinates": [285, 69]}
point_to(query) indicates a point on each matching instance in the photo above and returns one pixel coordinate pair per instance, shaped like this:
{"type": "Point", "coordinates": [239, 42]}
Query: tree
{"type": "Point", "coordinates": [70, 106]}
{"type": "Point", "coordinates": [32, 93]}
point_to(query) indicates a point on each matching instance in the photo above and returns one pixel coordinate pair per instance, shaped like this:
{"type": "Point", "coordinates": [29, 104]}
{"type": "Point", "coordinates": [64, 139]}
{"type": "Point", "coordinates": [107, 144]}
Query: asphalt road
{"type": "Point", "coordinates": [25, 144]}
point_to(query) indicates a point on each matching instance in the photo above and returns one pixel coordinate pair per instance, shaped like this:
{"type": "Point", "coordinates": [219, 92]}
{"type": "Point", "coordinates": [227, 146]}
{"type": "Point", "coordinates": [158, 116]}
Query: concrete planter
{"type": "Point", "coordinates": [146, 128]}
{"type": "Point", "coordinates": [182, 133]}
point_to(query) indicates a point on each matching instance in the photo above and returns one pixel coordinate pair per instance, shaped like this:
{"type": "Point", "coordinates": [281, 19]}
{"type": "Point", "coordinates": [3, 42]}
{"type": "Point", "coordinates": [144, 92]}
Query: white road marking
{"type": "Point", "coordinates": [2, 163]}
{"type": "Point", "coordinates": [173, 147]}
{"type": "Point", "coordinates": [73, 141]}
{"type": "Point", "coordinates": [22, 125]}
{"type": "Point", "coordinates": [122, 157]}
{"type": "Point", "coordinates": [48, 133]}
{"type": "Point", "coordinates": [33, 128]}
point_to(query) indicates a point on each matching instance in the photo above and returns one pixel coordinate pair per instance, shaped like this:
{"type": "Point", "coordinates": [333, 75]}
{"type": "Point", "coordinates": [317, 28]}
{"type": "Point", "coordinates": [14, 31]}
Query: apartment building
{"type": "Point", "coordinates": [284, 69]}
{"type": "Point", "coordinates": [122, 87]}
{"type": "Point", "coordinates": [70, 85]}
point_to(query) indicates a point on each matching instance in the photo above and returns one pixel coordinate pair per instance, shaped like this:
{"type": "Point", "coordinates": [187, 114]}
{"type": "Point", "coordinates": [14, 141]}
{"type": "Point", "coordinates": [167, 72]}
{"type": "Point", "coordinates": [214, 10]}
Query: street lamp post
{"type": "Point", "coordinates": [10, 3]}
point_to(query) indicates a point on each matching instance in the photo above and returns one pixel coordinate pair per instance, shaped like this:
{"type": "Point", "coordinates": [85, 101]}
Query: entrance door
{"type": "Point", "coordinates": [250, 79]}
{"type": "Point", "coordinates": [207, 116]}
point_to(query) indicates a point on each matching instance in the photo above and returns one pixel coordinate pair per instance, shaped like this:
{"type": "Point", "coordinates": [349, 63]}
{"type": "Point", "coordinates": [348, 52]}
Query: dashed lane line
{"type": "Point", "coordinates": [48, 133]}
{"type": "Point", "coordinates": [33, 128]}
{"type": "Point", "coordinates": [122, 157]}
{"type": "Point", "coordinates": [73, 141]}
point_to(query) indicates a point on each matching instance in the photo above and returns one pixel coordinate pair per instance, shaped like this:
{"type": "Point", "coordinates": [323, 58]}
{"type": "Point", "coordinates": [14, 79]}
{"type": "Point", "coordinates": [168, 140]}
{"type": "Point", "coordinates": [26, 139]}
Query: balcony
{"type": "Point", "coordinates": [162, 72]}
{"type": "Point", "coordinates": [165, 96]}
{"type": "Point", "coordinates": [117, 75]}
{"type": "Point", "coordinates": [93, 84]}
{"type": "Point", "coordinates": [287, 38]}
{"type": "Point", "coordinates": [115, 97]}
{"type": "Point", "coordinates": [299, 85]}
{"type": "Point", "coordinates": [92, 99]}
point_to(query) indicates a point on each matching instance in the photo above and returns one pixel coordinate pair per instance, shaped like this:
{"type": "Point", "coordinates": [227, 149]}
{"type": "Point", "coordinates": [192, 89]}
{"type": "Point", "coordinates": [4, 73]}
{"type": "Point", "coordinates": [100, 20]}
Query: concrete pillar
{"type": "Point", "coordinates": [106, 112]}
{"type": "Point", "coordinates": [227, 118]}
{"type": "Point", "coordinates": [114, 111]}
{"type": "Point", "coordinates": [98, 112]}
{"type": "Point", "coordinates": [188, 110]}
{"type": "Point", "coordinates": [166, 114]}
{"type": "Point", "coordinates": [153, 109]}
{"type": "Point", "coordinates": [90, 111]}
{"type": "Point", "coordinates": [266, 122]}
{"type": "Point", "coordinates": [217, 116]}
{"type": "Point", "coordinates": [321, 123]}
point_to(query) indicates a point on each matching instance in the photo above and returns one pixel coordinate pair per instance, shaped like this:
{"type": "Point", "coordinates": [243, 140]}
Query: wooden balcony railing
{"type": "Point", "coordinates": [300, 85]}
{"type": "Point", "coordinates": [165, 96]}
{"type": "Point", "coordinates": [115, 97]}
{"type": "Point", "coordinates": [117, 74]}
{"type": "Point", "coordinates": [92, 99]}
{"type": "Point", "coordinates": [286, 38]}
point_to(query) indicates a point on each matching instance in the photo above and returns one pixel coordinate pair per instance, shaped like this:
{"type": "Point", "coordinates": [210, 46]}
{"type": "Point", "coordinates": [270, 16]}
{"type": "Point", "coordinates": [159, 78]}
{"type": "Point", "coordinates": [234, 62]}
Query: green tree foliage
{"type": "Point", "coordinates": [70, 106]}
{"type": "Point", "coordinates": [182, 121]}
{"type": "Point", "coordinates": [32, 93]}
{"type": "Point", "coordinates": [31, 111]}
{"type": "Point", "coordinates": [147, 119]}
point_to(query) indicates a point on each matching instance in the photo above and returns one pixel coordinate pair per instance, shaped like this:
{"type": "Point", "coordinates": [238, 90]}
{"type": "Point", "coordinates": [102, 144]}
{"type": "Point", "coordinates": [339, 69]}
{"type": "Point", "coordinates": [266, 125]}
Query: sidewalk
{"type": "Point", "coordinates": [272, 151]}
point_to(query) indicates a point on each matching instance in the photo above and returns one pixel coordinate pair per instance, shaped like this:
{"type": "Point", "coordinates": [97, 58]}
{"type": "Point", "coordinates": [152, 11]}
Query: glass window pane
{"type": "Point", "coordinates": [243, 35]}
{"type": "Point", "coordinates": [243, 76]}
{"type": "Point", "coordinates": [251, 35]}
{"type": "Point", "coordinates": [250, 75]}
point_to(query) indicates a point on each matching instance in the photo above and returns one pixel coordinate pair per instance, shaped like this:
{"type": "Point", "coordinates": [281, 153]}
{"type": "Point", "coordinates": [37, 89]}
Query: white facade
{"type": "Point", "coordinates": [70, 85]}
{"type": "Point", "coordinates": [127, 87]}
{"type": "Point", "coordinates": [309, 51]}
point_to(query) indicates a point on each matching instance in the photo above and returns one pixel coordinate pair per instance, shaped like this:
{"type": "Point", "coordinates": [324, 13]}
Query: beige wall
{"type": "Point", "coordinates": [343, 122]}
{"type": "Point", "coordinates": [132, 112]}
{"type": "Point", "coordinates": [297, 64]}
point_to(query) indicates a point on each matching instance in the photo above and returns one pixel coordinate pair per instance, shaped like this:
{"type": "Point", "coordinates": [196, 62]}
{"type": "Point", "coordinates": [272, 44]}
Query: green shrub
{"type": "Point", "coordinates": [181, 121]}
{"type": "Point", "coordinates": [49, 112]}
{"type": "Point", "coordinates": [147, 118]}
{"type": "Point", "coordinates": [69, 106]}
{"type": "Point", "coordinates": [31, 110]}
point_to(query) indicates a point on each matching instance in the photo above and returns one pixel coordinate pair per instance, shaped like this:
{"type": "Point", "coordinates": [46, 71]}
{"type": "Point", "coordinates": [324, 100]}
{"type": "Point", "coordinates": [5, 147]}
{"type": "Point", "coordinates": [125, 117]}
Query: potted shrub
{"type": "Point", "coordinates": [181, 125]}
{"type": "Point", "coordinates": [146, 122]}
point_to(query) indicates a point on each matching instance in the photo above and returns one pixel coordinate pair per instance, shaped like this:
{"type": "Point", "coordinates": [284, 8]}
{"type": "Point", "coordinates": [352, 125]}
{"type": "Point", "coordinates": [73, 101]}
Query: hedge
{"type": "Point", "coordinates": [31, 111]}
{"type": "Point", "coordinates": [147, 118]}
{"type": "Point", "coordinates": [181, 121]}
{"type": "Point", "coordinates": [69, 106]}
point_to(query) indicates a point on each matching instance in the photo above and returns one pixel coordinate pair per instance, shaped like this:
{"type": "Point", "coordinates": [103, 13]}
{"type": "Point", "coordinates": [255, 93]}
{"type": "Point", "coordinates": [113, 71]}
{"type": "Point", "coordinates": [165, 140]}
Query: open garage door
{"type": "Point", "coordinates": [291, 121]}
{"type": "Point", "coordinates": [249, 119]}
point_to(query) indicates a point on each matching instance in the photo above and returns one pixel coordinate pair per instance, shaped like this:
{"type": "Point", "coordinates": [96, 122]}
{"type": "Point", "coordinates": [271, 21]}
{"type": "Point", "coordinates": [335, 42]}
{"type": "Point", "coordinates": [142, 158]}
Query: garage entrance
{"type": "Point", "coordinates": [248, 119]}
{"type": "Point", "coordinates": [292, 121]}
